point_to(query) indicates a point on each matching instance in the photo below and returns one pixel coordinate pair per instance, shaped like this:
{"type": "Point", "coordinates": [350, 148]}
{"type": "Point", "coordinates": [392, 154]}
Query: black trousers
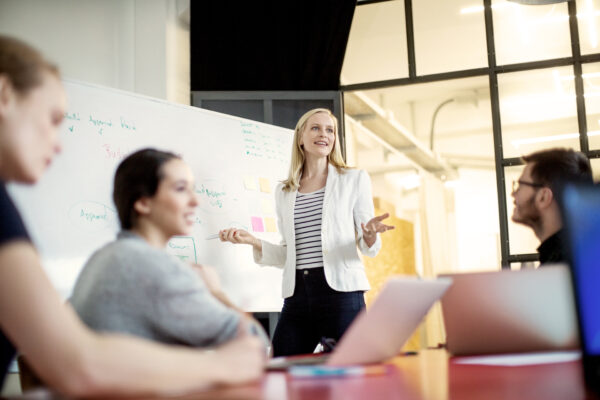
{"type": "Point", "coordinates": [314, 311]}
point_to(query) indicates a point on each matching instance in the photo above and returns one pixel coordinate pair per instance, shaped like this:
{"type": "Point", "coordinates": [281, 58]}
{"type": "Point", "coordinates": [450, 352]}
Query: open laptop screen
{"type": "Point", "coordinates": [581, 212]}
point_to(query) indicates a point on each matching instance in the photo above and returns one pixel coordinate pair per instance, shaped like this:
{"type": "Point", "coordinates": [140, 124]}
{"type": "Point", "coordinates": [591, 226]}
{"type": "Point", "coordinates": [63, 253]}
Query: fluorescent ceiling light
{"type": "Point", "coordinates": [589, 14]}
{"type": "Point", "coordinates": [498, 6]}
{"type": "Point", "coordinates": [519, 142]}
{"type": "Point", "coordinates": [592, 32]}
{"type": "Point", "coordinates": [584, 76]}
{"type": "Point", "coordinates": [557, 84]}
{"type": "Point", "coordinates": [471, 9]}
{"type": "Point", "coordinates": [537, 2]}
{"type": "Point", "coordinates": [475, 9]}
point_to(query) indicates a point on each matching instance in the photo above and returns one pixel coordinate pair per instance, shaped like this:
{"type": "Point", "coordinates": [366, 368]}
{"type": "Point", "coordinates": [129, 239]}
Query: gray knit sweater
{"type": "Point", "coordinates": [128, 286]}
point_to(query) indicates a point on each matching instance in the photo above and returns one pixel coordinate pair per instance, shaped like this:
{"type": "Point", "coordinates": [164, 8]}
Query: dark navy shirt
{"type": "Point", "coordinates": [11, 228]}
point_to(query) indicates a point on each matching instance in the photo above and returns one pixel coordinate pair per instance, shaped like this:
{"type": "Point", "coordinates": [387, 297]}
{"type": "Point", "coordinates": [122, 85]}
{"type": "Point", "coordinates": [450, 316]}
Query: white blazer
{"type": "Point", "coordinates": [347, 204]}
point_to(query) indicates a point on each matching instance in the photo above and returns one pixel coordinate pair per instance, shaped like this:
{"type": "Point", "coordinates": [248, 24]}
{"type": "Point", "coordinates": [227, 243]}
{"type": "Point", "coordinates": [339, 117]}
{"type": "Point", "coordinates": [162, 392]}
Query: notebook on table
{"type": "Point", "coordinates": [379, 333]}
{"type": "Point", "coordinates": [510, 311]}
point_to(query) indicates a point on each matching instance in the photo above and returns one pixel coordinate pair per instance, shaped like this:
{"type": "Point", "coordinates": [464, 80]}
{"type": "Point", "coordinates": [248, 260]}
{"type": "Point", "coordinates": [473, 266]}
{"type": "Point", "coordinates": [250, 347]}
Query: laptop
{"type": "Point", "coordinates": [379, 333]}
{"type": "Point", "coordinates": [510, 311]}
{"type": "Point", "coordinates": [581, 217]}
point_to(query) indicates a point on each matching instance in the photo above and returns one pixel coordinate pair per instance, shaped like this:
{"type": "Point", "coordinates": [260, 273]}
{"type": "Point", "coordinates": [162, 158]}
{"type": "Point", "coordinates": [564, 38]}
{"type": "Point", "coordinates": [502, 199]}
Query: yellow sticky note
{"type": "Point", "coordinates": [267, 206]}
{"type": "Point", "coordinates": [270, 224]}
{"type": "Point", "coordinates": [249, 183]}
{"type": "Point", "coordinates": [264, 185]}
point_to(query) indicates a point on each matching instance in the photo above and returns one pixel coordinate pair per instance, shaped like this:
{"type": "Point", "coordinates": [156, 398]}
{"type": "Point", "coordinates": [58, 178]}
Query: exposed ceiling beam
{"type": "Point", "coordinates": [369, 115]}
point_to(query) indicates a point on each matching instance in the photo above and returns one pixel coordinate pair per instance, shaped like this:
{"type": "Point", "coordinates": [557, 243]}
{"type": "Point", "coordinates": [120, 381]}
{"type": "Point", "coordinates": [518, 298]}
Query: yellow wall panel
{"type": "Point", "coordinates": [397, 256]}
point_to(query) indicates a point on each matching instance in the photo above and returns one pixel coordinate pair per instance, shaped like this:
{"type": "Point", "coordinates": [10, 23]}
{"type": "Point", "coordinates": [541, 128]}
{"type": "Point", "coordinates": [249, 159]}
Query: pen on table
{"type": "Point", "coordinates": [310, 371]}
{"type": "Point", "coordinates": [210, 237]}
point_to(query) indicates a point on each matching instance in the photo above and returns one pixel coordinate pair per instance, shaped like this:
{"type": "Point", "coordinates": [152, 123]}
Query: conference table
{"type": "Point", "coordinates": [431, 374]}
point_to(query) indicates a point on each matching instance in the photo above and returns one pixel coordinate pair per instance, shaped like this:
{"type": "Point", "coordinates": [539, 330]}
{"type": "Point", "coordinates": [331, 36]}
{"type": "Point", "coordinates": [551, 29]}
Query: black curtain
{"type": "Point", "coordinates": [268, 44]}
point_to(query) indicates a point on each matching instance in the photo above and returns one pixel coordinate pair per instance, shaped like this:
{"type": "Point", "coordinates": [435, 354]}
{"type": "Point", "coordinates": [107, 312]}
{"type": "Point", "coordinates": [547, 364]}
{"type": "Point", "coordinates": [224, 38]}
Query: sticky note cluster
{"type": "Point", "coordinates": [266, 224]}
{"type": "Point", "coordinates": [264, 185]}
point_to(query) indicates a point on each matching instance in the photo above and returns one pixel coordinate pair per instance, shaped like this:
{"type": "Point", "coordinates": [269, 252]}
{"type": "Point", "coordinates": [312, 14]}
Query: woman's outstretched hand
{"type": "Point", "coordinates": [373, 227]}
{"type": "Point", "coordinates": [238, 236]}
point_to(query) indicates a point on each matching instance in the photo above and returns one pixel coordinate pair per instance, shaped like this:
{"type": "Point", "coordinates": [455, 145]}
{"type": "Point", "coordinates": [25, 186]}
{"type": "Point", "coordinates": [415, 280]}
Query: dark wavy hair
{"type": "Point", "coordinates": [557, 167]}
{"type": "Point", "coordinates": [137, 176]}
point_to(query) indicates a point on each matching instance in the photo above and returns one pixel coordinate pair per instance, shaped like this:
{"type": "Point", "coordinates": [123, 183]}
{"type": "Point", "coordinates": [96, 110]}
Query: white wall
{"type": "Point", "coordinates": [477, 226]}
{"type": "Point", "coordinates": [134, 45]}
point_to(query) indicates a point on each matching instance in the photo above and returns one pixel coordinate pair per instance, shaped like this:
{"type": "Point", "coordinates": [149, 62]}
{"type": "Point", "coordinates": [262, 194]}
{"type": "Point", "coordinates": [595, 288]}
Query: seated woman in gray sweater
{"type": "Point", "coordinates": [133, 285]}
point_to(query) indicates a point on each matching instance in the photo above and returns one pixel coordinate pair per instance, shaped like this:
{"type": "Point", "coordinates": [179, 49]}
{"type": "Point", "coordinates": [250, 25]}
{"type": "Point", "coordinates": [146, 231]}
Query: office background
{"type": "Point", "coordinates": [440, 97]}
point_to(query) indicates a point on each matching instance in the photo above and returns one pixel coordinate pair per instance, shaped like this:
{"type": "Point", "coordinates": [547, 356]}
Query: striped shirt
{"type": "Point", "coordinates": [308, 213]}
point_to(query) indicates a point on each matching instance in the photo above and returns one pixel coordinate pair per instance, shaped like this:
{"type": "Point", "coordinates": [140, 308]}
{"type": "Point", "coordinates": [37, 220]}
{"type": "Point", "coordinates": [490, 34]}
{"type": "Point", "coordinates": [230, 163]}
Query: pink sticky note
{"type": "Point", "coordinates": [257, 224]}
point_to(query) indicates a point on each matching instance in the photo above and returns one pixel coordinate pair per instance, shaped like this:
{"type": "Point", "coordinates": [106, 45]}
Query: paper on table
{"type": "Point", "coordinates": [514, 360]}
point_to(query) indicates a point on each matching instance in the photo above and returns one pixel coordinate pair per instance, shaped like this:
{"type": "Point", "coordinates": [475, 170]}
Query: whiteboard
{"type": "Point", "coordinates": [236, 162]}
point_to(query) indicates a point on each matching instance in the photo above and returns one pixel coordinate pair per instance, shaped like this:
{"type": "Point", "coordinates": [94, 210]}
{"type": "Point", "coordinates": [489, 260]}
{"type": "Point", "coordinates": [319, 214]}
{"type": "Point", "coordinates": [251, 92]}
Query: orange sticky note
{"type": "Point", "coordinates": [264, 185]}
{"type": "Point", "coordinates": [270, 224]}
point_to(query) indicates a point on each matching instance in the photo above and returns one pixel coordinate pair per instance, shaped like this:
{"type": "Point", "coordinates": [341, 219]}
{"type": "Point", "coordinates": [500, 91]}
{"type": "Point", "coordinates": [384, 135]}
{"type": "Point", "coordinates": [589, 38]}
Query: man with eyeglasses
{"type": "Point", "coordinates": [536, 194]}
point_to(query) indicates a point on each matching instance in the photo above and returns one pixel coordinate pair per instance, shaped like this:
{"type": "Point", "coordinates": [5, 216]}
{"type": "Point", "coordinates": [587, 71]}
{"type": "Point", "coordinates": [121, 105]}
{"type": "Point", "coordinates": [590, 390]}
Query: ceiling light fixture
{"type": "Point", "coordinates": [519, 142]}
{"type": "Point", "coordinates": [538, 2]}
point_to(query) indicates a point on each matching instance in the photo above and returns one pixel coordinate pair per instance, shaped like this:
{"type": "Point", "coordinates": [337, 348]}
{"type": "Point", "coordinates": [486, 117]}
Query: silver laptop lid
{"type": "Point", "coordinates": [510, 311]}
{"type": "Point", "coordinates": [380, 332]}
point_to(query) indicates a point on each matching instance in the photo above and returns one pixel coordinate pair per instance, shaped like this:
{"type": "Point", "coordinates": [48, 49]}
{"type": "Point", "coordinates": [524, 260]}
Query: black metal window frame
{"type": "Point", "coordinates": [576, 60]}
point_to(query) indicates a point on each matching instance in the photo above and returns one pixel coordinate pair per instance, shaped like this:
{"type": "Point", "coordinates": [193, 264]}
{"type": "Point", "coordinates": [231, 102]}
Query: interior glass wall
{"type": "Point", "coordinates": [473, 120]}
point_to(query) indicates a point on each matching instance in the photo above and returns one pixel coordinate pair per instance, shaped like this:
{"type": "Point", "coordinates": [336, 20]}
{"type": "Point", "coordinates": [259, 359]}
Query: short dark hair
{"type": "Point", "coordinates": [557, 167]}
{"type": "Point", "coordinates": [137, 176]}
{"type": "Point", "coordinates": [23, 65]}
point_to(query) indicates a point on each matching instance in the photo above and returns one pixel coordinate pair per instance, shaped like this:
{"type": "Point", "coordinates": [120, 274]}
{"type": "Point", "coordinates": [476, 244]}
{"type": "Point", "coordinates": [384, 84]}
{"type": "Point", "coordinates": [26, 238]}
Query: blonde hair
{"type": "Point", "coordinates": [23, 65]}
{"type": "Point", "coordinates": [297, 165]}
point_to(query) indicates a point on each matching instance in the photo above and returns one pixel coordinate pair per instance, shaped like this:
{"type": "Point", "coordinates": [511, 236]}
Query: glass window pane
{"type": "Point", "coordinates": [457, 111]}
{"type": "Point", "coordinates": [588, 20]}
{"type": "Point", "coordinates": [525, 33]}
{"type": "Point", "coordinates": [538, 110]}
{"type": "Point", "coordinates": [591, 89]}
{"type": "Point", "coordinates": [449, 35]}
{"type": "Point", "coordinates": [376, 47]}
{"type": "Point", "coordinates": [521, 238]}
{"type": "Point", "coordinates": [460, 113]}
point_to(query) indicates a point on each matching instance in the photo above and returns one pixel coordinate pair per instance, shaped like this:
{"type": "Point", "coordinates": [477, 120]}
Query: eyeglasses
{"type": "Point", "coordinates": [516, 185]}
